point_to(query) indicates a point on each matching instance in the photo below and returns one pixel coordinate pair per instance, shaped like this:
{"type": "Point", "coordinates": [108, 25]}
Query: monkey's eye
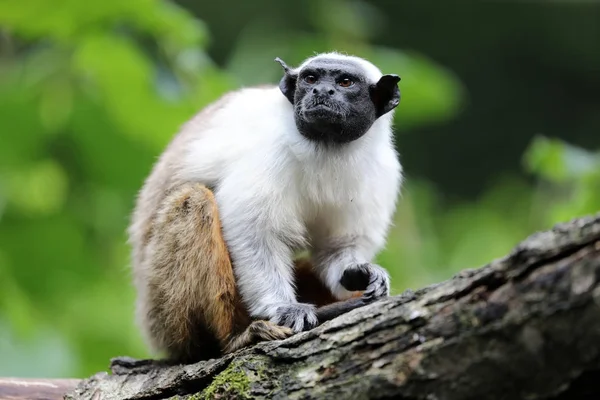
{"type": "Point", "coordinates": [346, 82]}
{"type": "Point", "coordinates": [310, 79]}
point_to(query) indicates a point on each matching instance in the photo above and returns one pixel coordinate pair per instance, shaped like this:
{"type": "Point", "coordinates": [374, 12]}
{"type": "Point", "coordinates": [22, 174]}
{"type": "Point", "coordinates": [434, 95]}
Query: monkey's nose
{"type": "Point", "coordinates": [328, 90]}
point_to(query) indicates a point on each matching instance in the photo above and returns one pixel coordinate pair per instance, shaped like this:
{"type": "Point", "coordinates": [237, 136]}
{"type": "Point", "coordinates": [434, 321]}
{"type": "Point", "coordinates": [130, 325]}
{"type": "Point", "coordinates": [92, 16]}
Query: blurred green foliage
{"type": "Point", "coordinates": [90, 93]}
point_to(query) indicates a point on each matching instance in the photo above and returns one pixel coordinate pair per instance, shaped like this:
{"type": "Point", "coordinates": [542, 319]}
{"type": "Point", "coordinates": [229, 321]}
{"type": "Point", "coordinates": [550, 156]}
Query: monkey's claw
{"type": "Point", "coordinates": [370, 278]}
{"type": "Point", "coordinates": [298, 317]}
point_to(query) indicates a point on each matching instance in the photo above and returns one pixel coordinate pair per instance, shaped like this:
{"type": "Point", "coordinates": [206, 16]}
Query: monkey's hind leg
{"type": "Point", "coordinates": [196, 310]}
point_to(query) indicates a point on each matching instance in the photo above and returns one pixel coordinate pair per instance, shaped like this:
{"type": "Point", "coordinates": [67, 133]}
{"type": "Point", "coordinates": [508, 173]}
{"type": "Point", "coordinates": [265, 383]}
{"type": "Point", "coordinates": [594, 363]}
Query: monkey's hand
{"type": "Point", "coordinates": [370, 278]}
{"type": "Point", "coordinates": [297, 316]}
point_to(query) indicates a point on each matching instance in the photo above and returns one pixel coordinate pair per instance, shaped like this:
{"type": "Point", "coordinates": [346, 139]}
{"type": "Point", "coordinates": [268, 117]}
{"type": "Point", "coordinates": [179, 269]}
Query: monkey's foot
{"type": "Point", "coordinates": [258, 331]}
{"type": "Point", "coordinates": [370, 278]}
{"type": "Point", "coordinates": [266, 330]}
{"type": "Point", "coordinates": [297, 316]}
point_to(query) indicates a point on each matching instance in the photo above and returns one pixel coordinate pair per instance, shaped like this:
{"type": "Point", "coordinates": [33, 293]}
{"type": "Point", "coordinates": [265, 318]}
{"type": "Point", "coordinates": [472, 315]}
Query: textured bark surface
{"type": "Point", "coordinates": [35, 389]}
{"type": "Point", "coordinates": [526, 326]}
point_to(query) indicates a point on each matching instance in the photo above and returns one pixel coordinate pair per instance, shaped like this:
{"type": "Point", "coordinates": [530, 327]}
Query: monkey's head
{"type": "Point", "coordinates": [337, 98]}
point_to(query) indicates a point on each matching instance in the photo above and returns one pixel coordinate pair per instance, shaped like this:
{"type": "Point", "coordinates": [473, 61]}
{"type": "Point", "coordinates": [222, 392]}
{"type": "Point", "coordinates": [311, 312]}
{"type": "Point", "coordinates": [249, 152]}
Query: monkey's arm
{"type": "Point", "coordinates": [349, 237]}
{"type": "Point", "coordinates": [259, 233]}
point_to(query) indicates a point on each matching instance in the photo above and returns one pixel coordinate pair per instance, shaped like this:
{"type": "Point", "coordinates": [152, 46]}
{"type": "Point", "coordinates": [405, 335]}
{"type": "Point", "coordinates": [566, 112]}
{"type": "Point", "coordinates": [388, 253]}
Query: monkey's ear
{"type": "Point", "coordinates": [386, 94]}
{"type": "Point", "coordinates": [287, 84]}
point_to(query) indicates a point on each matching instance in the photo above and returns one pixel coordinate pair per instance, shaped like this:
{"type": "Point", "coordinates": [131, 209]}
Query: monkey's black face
{"type": "Point", "coordinates": [334, 101]}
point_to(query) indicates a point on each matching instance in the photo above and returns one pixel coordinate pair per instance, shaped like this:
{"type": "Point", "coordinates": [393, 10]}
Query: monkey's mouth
{"type": "Point", "coordinates": [319, 110]}
{"type": "Point", "coordinates": [319, 107]}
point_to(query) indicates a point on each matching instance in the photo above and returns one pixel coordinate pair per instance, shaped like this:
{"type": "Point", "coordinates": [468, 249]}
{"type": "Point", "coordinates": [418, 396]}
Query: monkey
{"type": "Point", "coordinates": [253, 179]}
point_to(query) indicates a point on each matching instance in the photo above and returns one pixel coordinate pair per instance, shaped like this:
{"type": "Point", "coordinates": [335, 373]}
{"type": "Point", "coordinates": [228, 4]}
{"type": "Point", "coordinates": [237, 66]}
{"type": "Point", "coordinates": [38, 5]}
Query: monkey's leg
{"type": "Point", "coordinates": [197, 311]}
{"type": "Point", "coordinates": [191, 285]}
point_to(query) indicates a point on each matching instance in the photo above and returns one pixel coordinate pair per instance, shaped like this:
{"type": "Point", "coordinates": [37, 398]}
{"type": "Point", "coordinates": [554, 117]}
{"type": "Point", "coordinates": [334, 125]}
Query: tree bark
{"type": "Point", "coordinates": [526, 326]}
{"type": "Point", "coordinates": [35, 389]}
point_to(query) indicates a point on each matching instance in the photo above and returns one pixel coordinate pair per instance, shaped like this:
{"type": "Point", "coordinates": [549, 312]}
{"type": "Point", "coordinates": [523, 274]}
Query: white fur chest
{"type": "Point", "coordinates": [334, 188]}
{"type": "Point", "coordinates": [327, 179]}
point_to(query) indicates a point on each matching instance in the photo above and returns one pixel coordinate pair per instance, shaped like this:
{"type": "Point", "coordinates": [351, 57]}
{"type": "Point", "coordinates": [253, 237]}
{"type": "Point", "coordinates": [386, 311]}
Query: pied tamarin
{"type": "Point", "coordinates": [249, 181]}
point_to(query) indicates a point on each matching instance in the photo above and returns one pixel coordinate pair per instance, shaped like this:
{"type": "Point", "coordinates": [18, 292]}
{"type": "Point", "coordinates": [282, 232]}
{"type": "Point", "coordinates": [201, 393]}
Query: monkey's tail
{"type": "Point", "coordinates": [330, 311]}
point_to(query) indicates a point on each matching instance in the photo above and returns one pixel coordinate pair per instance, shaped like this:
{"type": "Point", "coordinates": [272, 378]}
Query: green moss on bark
{"type": "Point", "coordinates": [236, 380]}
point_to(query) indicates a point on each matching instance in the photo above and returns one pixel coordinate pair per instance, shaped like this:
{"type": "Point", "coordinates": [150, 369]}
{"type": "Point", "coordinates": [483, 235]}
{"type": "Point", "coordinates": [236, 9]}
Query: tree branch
{"type": "Point", "coordinates": [35, 389]}
{"type": "Point", "coordinates": [524, 326]}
